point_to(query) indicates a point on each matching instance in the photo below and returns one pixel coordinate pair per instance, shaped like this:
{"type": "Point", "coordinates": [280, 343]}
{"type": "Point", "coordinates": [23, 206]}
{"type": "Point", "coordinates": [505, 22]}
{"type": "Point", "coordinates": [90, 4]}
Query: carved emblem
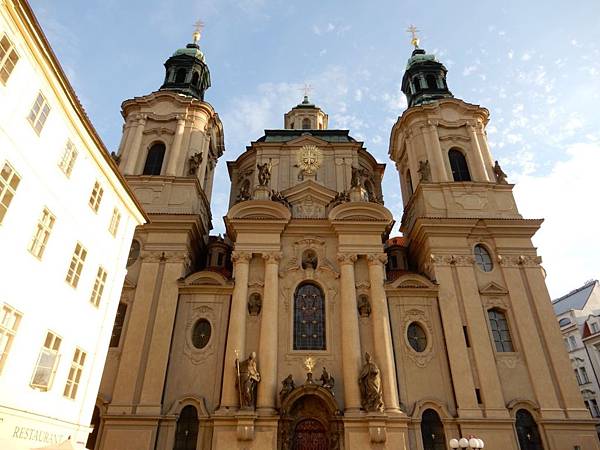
{"type": "Point", "coordinates": [309, 159]}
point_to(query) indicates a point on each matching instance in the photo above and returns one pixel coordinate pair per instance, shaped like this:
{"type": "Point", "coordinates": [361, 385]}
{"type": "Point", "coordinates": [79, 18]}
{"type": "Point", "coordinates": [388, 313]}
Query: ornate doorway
{"type": "Point", "coordinates": [310, 434]}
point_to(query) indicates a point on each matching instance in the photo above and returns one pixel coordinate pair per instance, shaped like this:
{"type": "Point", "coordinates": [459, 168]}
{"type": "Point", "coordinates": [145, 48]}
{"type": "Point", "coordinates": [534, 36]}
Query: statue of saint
{"type": "Point", "coordinates": [327, 381]}
{"type": "Point", "coordinates": [194, 162]}
{"type": "Point", "coordinates": [264, 173]}
{"type": "Point", "coordinates": [370, 386]}
{"type": "Point", "coordinates": [248, 379]}
{"type": "Point", "coordinates": [358, 176]}
{"type": "Point", "coordinates": [424, 170]}
{"type": "Point", "coordinates": [499, 173]}
{"type": "Point", "coordinates": [288, 386]}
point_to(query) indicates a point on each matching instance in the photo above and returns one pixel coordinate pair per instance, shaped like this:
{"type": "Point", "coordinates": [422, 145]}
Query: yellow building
{"type": "Point", "coordinates": [67, 218]}
{"type": "Point", "coordinates": [307, 326]}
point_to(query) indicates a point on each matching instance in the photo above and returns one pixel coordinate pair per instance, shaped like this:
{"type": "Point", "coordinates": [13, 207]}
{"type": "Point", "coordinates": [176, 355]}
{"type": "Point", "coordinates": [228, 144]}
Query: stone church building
{"type": "Point", "coordinates": [308, 326]}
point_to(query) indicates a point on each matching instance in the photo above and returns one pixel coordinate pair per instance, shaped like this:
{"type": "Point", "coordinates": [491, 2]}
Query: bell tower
{"type": "Point", "coordinates": [464, 231]}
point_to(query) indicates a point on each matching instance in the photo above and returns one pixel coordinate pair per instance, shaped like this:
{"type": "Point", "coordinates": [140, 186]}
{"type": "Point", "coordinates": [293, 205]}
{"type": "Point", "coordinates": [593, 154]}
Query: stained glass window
{"type": "Point", "coordinates": [309, 318]}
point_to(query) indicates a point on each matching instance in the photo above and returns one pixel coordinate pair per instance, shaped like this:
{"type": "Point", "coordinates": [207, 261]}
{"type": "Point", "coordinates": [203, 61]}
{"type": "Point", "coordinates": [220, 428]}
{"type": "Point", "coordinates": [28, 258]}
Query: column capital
{"type": "Point", "coordinates": [377, 258]}
{"type": "Point", "coordinates": [241, 257]}
{"type": "Point", "coordinates": [347, 258]}
{"type": "Point", "coordinates": [272, 257]}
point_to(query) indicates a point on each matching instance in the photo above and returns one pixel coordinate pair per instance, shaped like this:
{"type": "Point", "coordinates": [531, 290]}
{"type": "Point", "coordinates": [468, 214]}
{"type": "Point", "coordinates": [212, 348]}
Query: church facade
{"type": "Point", "coordinates": [308, 326]}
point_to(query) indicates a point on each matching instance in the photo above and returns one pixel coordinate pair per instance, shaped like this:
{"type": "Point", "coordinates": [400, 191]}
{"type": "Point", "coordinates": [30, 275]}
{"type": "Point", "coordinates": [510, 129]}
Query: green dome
{"type": "Point", "coordinates": [190, 50]}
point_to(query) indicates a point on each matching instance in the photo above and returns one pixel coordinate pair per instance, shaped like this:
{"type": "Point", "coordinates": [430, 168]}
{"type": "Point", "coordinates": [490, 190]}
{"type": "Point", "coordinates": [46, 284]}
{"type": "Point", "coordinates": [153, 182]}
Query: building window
{"type": "Point", "coordinates": [416, 337]}
{"type": "Point", "coordinates": [115, 338]}
{"type": "Point", "coordinates": [584, 375]}
{"type": "Point", "coordinates": [74, 374]}
{"type": "Point", "coordinates": [154, 160]}
{"type": "Point", "coordinates": [593, 407]}
{"type": "Point", "coordinates": [134, 253]}
{"type": "Point", "coordinates": [46, 363]}
{"type": "Point", "coordinates": [432, 431]}
{"type": "Point", "coordinates": [96, 197]}
{"type": "Point", "coordinates": [41, 233]}
{"type": "Point", "coordinates": [483, 258]}
{"type": "Point", "coordinates": [113, 227]}
{"type": "Point", "coordinates": [8, 58]}
{"type": "Point", "coordinates": [180, 76]}
{"type": "Point", "coordinates": [93, 436]}
{"type": "Point", "coordinates": [458, 164]}
{"type": "Point", "coordinates": [409, 186]}
{"type": "Point", "coordinates": [564, 322]}
{"type": "Point", "coordinates": [527, 431]}
{"type": "Point", "coordinates": [309, 318]}
{"type": "Point", "coordinates": [67, 161]}
{"type": "Point", "coordinates": [431, 82]}
{"type": "Point", "coordinates": [39, 113]}
{"type": "Point", "coordinates": [500, 331]}
{"type": "Point", "coordinates": [186, 433]}
{"type": "Point", "coordinates": [572, 342]}
{"type": "Point", "coordinates": [201, 333]}
{"type": "Point", "coordinates": [98, 287]}
{"type": "Point", "coordinates": [579, 382]}
{"type": "Point", "coordinates": [76, 265]}
{"type": "Point", "coordinates": [594, 327]}
{"type": "Point", "coordinates": [416, 84]}
{"type": "Point", "coordinates": [9, 182]}
{"type": "Point", "coordinates": [9, 322]}
{"type": "Point", "coordinates": [306, 124]}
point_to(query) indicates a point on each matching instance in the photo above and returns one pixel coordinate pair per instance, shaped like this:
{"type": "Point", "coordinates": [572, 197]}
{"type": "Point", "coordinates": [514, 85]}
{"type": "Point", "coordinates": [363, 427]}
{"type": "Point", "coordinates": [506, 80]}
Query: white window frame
{"type": "Point", "coordinates": [8, 58]}
{"type": "Point", "coordinates": [75, 372]}
{"type": "Point", "coordinates": [76, 265]}
{"type": "Point", "coordinates": [39, 113]}
{"type": "Point", "coordinates": [9, 182]}
{"type": "Point", "coordinates": [50, 349]}
{"type": "Point", "coordinates": [98, 288]}
{"type": "Point", "coordinates": [41, 233]}
{"type": "Point", "coordinates": [115, 220]}
{"type": "Point", "coordinates": [67, 161]}
{"type": "Point", "coordinates": [96, 197]}
{"type": "Point", "coordinates": [9, 324]}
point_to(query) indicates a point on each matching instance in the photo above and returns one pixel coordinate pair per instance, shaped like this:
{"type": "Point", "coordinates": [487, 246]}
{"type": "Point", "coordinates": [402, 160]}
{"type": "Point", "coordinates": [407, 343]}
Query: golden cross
{"type": "Point", "coordinates": [415, 39]}
{"type": "Point", "coordinates": [198, 27]}
{"type": "Point", "coordinates": [306, 89]}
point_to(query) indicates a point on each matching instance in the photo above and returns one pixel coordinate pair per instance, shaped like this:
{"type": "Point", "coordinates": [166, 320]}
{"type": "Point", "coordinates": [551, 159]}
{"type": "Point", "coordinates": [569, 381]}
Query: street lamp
{"type": "Point", "coordinates": [472, 443]}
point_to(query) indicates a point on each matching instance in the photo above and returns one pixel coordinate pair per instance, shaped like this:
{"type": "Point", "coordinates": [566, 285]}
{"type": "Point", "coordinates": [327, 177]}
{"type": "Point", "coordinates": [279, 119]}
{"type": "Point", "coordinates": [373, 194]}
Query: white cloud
{"type": "Point", "coordinates": [525, 56]}
{"type": "Point", "coordinates": [511, 54]}
{"type": "Point", "coordinates": [568, 240]}
{"type": "Point", "coordinates": [469, 70]}
{"type": "Point", "coordinates": [358, 95]}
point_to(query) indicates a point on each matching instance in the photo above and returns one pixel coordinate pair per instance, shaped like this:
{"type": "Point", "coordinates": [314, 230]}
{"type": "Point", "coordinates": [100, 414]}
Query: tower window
{"type": "Point", "coordinates": [306, 124]}
{"type": "Point", "coordinates": [115, 337]}
{"type": "Point", "coordinates": [458, 164]}
{"type": "Point", "coordinates": [309, 318]}
{"type": "Point", "coordinates": [483, 258]}
{"type": "Point", "coordinates": [195, 79]}
{"type": "Point", "coordinates": [409, 187]}
{"type": "Point", "coordinates": [186, 433]}
{"type": "Point", "coordinates": [500, 331]}
{"type": "Point", "coordinates": [417, 84]}
{"type": "Point", "coordinates": [154, 160]}
{"type": "Point", "coordinates": [431, 81]}
{"type": "Point", "coordinates": [180, 76]}
{"type": "Point", "coordinates": [292, 126]}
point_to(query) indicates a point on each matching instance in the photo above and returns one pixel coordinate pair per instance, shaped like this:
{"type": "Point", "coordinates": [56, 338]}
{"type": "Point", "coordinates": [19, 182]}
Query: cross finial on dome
{"type": "Point", "coordinates": [306, 89]}
{"type": "Point", "coordinates": [415, 39]}
{"type": "Point", "coordinates": [198, 27]}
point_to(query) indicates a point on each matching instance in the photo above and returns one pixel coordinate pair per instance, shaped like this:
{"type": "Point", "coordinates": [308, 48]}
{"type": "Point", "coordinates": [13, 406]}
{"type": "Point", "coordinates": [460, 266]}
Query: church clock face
{"type": "Point", "coordinates": [309, 159]}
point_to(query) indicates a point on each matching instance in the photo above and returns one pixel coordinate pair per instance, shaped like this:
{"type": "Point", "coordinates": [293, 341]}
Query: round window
{"type": "Point", "coordinates": [201, 333]}
{"type": "Point", "coordinates": [134, 253]}
{"type": "Point", "coordinates": [416, 337]}
{"type": "Point", "coordinates": [483, 258]}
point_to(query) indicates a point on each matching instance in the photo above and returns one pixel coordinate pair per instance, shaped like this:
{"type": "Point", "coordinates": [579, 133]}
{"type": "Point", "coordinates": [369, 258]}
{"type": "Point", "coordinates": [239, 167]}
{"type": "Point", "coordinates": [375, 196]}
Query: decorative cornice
{"type": "Point", "coordinates": [452, 260]}
{"type": "Point", "coordinates": [519, 260]}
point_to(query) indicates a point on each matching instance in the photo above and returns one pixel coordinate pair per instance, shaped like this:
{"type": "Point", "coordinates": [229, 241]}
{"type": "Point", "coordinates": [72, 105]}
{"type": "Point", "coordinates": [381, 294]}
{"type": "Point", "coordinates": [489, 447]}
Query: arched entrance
{"type": "Point", "coordinates": [310, 420]}
{"type": "Point", "coordinates": [527, 431]}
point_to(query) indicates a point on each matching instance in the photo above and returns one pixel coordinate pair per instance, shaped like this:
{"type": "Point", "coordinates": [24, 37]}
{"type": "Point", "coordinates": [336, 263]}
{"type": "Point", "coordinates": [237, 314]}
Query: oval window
{"type": "Point", "coordinates": [483, 258]}
{"type": "Point", "coordinates": [416, 337]}
{"type": "Point", "coordinates": [201, 333]}
{"type": "Point", "coordinates": [134, 253]}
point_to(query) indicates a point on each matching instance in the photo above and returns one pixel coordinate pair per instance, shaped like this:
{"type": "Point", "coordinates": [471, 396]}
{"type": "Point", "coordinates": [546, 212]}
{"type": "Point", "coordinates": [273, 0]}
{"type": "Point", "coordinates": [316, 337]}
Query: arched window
{"type": "Point", "coordinates": [432, 431]}
{"type": "Point", "coordinates": [500, 331]}
{"type": "Point", "coordinates": [195, 79]}
{"type": "Point", "coordinates": [187, 429]}
{"type": "Point", "coordinates": [409, 186]}
{"type": "Point", "coordinates": [306, 124]}
{"type": "Point", "coordinates": [527, 431]}
{"type": "Point", "coordinates": [292, 126]}
{"type": "Point", "coordinates": [431, 81]}
{"type": "Point", "coordinates": [417, 84]}
{"type": "Point", "coordinates": [154, 160]}
{"type": "Point", "coordinates": [458, 164]}
{"type": "Point", "coordinates": [483, 258]}
{"type": "Point", "coordinates": [309, 318]}
{"type": "Point", "coordinates": [93, 436]}
{"type": "Point", "coordinates": [180, 76]}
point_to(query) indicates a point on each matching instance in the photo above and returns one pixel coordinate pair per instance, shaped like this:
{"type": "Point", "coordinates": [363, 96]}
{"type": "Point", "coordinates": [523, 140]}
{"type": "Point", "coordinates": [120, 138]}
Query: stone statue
{"type": "Point", "coordinates": [116, 158]}
{"type": "Point", "coordinates": [288, 387]}
{"type": "Point", "coordinates": [358, 176]}
{"type": "Point", "coordinates": [194, 163]}
{"type": "Point", "coordinates": [499, 173]}
{"type": "Point", "coordinates": [278, 197]}
{"type": "Point", "coordinates": [424, 170]}
{"type": "Point", "coordinates": [244, 191]}
{"type": "Point", "coordinates": [264, 173]}
{"type": "Point", "coordinates": [254, 304]}
{"type": "Point", "coordinates": [370, 386]}
{"type": "Point", "coordinates": [340, 197]}
{"type": "Point", "coordinates": [327, 381]}
{"type": "Point", "coordinates": [248, 379]}
{"type": "Point", "coordinates": [364, 307]}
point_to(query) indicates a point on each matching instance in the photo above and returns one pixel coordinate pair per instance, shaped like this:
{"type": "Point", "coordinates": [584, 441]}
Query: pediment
{"type": "Point", "coordinates": [307, 139]}
{"type": "Point", "coordinates": [413, 281]}
{"type": "Point", "coordinates": [206, 278]}
{"type": "Point", "coordinates": [309, 200]}
{"type": "Point", "coordinates": [128, 284]}
{"type": "Point", "coordinates": [493, 288]}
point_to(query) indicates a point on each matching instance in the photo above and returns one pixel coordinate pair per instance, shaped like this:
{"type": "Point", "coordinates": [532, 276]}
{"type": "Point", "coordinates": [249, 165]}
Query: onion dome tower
{"type": "Point", "coordinates": [186, 70]}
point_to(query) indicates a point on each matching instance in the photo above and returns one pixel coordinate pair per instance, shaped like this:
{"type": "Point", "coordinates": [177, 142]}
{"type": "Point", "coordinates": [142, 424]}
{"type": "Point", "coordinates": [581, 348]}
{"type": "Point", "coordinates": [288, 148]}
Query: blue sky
{"type": "Point", "coordinates": [535, 65]}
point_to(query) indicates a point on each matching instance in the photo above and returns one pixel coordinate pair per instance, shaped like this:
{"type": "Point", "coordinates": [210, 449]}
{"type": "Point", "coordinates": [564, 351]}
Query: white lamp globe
{"type": "Point", "coordinates": [481, 443]}
{"type": "Point", "coordinates": [474, 442]}
{"type": "Point", "coordinates": [464, 443]}
{"type": "Point", "coordinates": [453, 443]}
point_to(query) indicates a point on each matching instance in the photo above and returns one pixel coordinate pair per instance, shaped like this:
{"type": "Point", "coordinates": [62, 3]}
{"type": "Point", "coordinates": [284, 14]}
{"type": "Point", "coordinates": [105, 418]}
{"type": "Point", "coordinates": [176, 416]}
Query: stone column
{"type": "Point", "coordinates": [382, 333]}
{"type": "Point", "coordinates": [478, 163]}
{"type": "Point", "coordinates": [134, 150]}
{"type": "Point", "coordinates": [351, 358]}
{"type": "Point", "coordinates": [236, 332]}
{"type": "Point", "coordinates": [176, 148]}
{"type": "Point", "coordinates": [267, 346]}
{"type": "Point", "coordinates": [437, 161]}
